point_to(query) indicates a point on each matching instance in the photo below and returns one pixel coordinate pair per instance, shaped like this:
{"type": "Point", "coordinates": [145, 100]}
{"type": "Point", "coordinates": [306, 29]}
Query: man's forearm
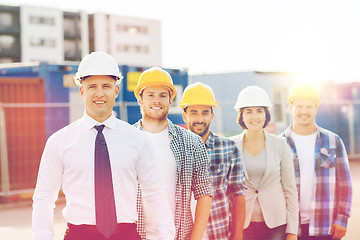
{"type": "Point", "coordinates": [202, 212]}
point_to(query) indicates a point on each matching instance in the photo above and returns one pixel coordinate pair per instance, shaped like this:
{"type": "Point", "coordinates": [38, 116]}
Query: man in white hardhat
{"type": "Point", "coordinates": [226, 168]}
{"type": "Point", "coordinates": [98, 162]}
{"type": "Point", "coordinates": [181, 155]}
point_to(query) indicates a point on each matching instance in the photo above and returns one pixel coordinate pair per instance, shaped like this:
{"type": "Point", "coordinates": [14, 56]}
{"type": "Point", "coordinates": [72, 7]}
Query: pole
{"type": "Point", "coordinates": [4, 162]}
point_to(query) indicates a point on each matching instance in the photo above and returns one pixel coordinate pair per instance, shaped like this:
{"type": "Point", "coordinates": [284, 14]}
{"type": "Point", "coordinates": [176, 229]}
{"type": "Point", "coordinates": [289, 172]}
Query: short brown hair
{"type": "Point", "coordinates": [240, 119]}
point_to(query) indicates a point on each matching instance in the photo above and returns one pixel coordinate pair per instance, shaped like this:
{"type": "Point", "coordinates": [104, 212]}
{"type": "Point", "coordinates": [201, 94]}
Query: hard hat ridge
{"type": "Point", "coordinates": [155, 76]}
{"type": "Point", "coordinates": [252, 96]}
{"type": "Point", "coordinates": [304, 90]}
{"type": "Point", "coordinates": [97, 63]}
{"type": "Point", "coordinates": [198, 94]}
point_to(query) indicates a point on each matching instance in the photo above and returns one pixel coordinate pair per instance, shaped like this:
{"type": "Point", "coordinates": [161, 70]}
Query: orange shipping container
{"type": "Point", "coordinates": [25, 129]}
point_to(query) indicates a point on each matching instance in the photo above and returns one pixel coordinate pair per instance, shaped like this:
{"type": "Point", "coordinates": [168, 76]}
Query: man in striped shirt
{"type": "Point", "coordinates": [227, 213]}
{"type": "Point", "coordinates": [321, 169]}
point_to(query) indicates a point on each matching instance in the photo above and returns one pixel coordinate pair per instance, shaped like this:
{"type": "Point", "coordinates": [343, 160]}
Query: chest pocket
{"type": "Point", "coordinates": [217, 169]}
{"type": "Point", "coordinates": [327, 157]}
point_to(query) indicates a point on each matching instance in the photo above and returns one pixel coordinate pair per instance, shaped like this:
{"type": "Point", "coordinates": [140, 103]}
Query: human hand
{"type": "Point", "coordinates": [337, 231]}
{"type": "Point", "coordinates": [291, 236]}
{"type": "Point", "coordinates": [237, 236]}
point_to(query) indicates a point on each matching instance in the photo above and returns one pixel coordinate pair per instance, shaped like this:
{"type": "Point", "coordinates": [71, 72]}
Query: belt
{"type": "Point", "coordinates": [93, 229]}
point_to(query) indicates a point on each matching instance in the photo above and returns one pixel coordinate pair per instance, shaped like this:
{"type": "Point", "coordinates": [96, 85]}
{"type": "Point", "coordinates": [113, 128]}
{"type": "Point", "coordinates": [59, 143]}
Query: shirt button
{"type": "Point", "coordinates": [256, 191]}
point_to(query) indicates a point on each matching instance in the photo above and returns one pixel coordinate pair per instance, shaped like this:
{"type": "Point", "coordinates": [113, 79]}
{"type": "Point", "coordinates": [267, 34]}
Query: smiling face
{"type": "Point", "coordinates": [303, 111]}
{"type": "Point", "coordinates": [155, 103]}
{"type": "Point", "coordinates": [198, 119]}
{"type": "Point", "coordinates": [99, 94]}
{"type": "Point", "coordinates": [254, 118]}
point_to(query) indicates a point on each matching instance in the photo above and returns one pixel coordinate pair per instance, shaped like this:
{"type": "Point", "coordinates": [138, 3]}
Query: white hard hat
{"type": "Point", "coordinates": [252, 96]}
{"type": "Point", "coordinates": [97, 63]}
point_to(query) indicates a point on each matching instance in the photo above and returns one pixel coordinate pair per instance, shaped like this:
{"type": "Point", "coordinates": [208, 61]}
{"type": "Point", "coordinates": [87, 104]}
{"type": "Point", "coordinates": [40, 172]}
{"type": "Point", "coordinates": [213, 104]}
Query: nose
{"type": "Point", "coordinates": [199, 118]}
{"type": "Point", "coordinates": [156, 99]}
{"type": "Point", "coordinates": [99, 92]}
{"type": "Point", "coordinates": [254, 115]}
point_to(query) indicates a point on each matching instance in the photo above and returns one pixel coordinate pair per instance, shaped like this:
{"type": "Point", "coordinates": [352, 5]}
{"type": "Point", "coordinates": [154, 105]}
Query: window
{"type": "Point", "coordinates": [6, 60]}
{"type": "Point", "coordinates": [71, 26]}
{"type": "Point", "coordinates": [72, 48]}
{"type": "Point", "coordinates": [41, 42]}
{"type": "Point", "coordinates": [42, 20]}
{"type": "Point", "coordinates": [5, 20]}
{"type": "Point", "coordinates": [132, 48]}
{"type": "Point", "coordinates": [279, 105]}
{"type": "Point", "coordinates": [131, 29]}
{"type": "Point", "coordinates": [6, 42]}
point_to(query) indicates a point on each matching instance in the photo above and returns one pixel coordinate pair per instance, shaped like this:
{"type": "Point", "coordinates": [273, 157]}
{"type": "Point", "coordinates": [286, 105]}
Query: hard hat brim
{"type": "Point", "coordinates": [139, 88]}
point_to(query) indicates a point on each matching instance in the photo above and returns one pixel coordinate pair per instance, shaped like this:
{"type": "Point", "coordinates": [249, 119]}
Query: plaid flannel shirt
{"type": "Point", "coordinates": [192, 176]}
{"type": "Point", "coordinates": [228, 179]}
{"type": "Point", "coordinates": [332, 193]}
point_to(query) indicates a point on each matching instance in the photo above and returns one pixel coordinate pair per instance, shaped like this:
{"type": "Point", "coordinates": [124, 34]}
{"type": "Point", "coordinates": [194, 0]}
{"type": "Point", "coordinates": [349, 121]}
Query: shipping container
{"type": "Point", "coordinates": [24, 124]}
{"type": "Point", "coordinates": [38, 99]}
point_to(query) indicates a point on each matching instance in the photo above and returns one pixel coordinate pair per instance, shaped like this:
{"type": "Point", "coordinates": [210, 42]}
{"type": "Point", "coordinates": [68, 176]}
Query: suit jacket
{"type": "Point", "coordinates": [277, 193]}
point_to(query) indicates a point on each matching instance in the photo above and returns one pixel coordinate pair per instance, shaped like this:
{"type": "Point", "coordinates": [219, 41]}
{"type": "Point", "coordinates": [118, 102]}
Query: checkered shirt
{"type": "Point", "coordinates": [228, 179]}
{"type": "Point", "coordinates": [331, 200]}
{"type": "Point", "coordinates": [192, 176]}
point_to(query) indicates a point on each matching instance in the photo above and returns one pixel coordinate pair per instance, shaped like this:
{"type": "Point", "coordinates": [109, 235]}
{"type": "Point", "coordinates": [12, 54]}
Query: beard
{"type": "Point", "coordinates": [149, 115]}
{"type": "Point", "coordinates": [201, 132]}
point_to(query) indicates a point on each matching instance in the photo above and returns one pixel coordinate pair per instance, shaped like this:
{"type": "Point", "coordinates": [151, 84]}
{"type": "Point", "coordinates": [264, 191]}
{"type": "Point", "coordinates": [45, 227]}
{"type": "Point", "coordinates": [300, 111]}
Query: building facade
{"type": "Point", "coordinates": [29, 33]}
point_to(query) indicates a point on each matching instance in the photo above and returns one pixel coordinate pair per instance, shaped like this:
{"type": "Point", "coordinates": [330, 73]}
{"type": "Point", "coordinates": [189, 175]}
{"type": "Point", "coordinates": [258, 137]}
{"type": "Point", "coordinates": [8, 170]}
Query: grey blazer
{"type": "Point", "coordinates": [277, 193]}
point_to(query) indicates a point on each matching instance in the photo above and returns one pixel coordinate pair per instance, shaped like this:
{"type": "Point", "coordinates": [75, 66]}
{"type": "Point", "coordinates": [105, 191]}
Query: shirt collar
{"type": "Point", "coordinates": [89, 122]}
{"type": "Point", "coordinates": [287, 132]}
{"type": "Point", "coordinates": [171, 127]}
{"type": "Point", "coordinates": [210, 141]}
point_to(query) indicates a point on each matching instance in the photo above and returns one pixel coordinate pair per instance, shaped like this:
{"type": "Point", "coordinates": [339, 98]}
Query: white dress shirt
{"type": "Point", "coordinates": [68, 163]}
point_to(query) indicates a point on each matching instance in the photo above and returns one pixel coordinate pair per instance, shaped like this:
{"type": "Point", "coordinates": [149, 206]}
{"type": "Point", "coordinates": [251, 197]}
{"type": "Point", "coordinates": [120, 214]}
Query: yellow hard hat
{"type": "Point", "coordinates": [304, 90]}
{"type": "Point", "coordinates": [155, 76]}
{"type": "Point", "coordinates": [198, 94]}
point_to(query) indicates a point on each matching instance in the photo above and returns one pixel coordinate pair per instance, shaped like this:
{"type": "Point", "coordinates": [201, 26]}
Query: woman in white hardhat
{"type": "Point", "coordinates": [271, 197]}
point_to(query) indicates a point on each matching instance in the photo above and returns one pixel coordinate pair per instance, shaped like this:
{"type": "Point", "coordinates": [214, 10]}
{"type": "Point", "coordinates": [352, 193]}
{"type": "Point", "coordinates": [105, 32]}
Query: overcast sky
{"type": "Point", "coordinates": [319, 39]}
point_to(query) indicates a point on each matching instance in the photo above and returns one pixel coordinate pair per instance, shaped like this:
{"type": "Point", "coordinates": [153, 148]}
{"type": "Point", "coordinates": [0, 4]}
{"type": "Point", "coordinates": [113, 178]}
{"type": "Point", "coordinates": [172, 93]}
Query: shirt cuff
{"type": "Point", "coordinates": [203, 190]}
{"type": "Point", "coordinates": [341, 220]}
{"type": "Point", "coordinates": [43, 235]}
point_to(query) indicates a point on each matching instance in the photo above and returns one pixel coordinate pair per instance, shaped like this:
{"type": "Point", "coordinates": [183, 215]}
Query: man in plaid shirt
{"type": "Point", "coordinates": [226, 169]}
{"type": "Point", "coordinates": [321, 169]}
{"type": "Point", "coordinates": [181, 157]}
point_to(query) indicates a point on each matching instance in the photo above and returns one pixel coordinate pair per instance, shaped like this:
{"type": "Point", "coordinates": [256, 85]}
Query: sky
{"type": "Point", "coordinates": [316, 39]}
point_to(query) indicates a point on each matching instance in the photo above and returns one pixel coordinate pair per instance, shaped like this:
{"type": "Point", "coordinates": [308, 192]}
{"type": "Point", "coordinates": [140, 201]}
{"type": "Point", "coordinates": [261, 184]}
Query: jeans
{"type": "Point", "coordinates": [259, 231]}
{"type": "Point", "coordinates": [305, 234]}
{"type": "Point", "coordinates": [124, 231]}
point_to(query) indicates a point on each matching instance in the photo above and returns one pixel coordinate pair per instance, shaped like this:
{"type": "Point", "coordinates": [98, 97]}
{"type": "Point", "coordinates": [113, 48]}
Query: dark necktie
{"type": "Point", "coordinates": [106, 222]}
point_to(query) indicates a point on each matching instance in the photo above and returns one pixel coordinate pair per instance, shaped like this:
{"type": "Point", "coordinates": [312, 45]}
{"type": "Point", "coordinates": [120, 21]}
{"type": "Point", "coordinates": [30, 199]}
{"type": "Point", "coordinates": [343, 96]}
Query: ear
{"type": "Point", "coordinates": [170, 101]}
{"type": "Point", "coordinates": [212, 115]}
{"type": "Point", "coordinates": [139, 100]}
{"type": "Point", "coordinates": [290, 107]}
{"type": "Point", "coordinates": [117, 90]}
{"type": "Point", "coordinates": [184, 117]}
{"type": "Point", "coordinates": [81, 91]}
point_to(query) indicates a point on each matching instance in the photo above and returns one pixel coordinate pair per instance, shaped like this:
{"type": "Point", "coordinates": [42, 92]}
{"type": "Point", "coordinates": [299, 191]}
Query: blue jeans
{"type": "Point", "coordinates": [259, 231]}
{"type": "Point", "coordinates": [305, 234]}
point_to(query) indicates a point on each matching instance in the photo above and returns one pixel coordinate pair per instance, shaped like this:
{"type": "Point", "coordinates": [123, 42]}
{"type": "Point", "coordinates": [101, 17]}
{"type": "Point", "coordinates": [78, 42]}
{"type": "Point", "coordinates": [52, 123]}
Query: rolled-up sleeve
{"type": "Point", "coordinates": [343, 186]}
{"type": "Point", "coordinates": [201, 183]}
{"type": "Point", "coordinates": [236, 174]}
